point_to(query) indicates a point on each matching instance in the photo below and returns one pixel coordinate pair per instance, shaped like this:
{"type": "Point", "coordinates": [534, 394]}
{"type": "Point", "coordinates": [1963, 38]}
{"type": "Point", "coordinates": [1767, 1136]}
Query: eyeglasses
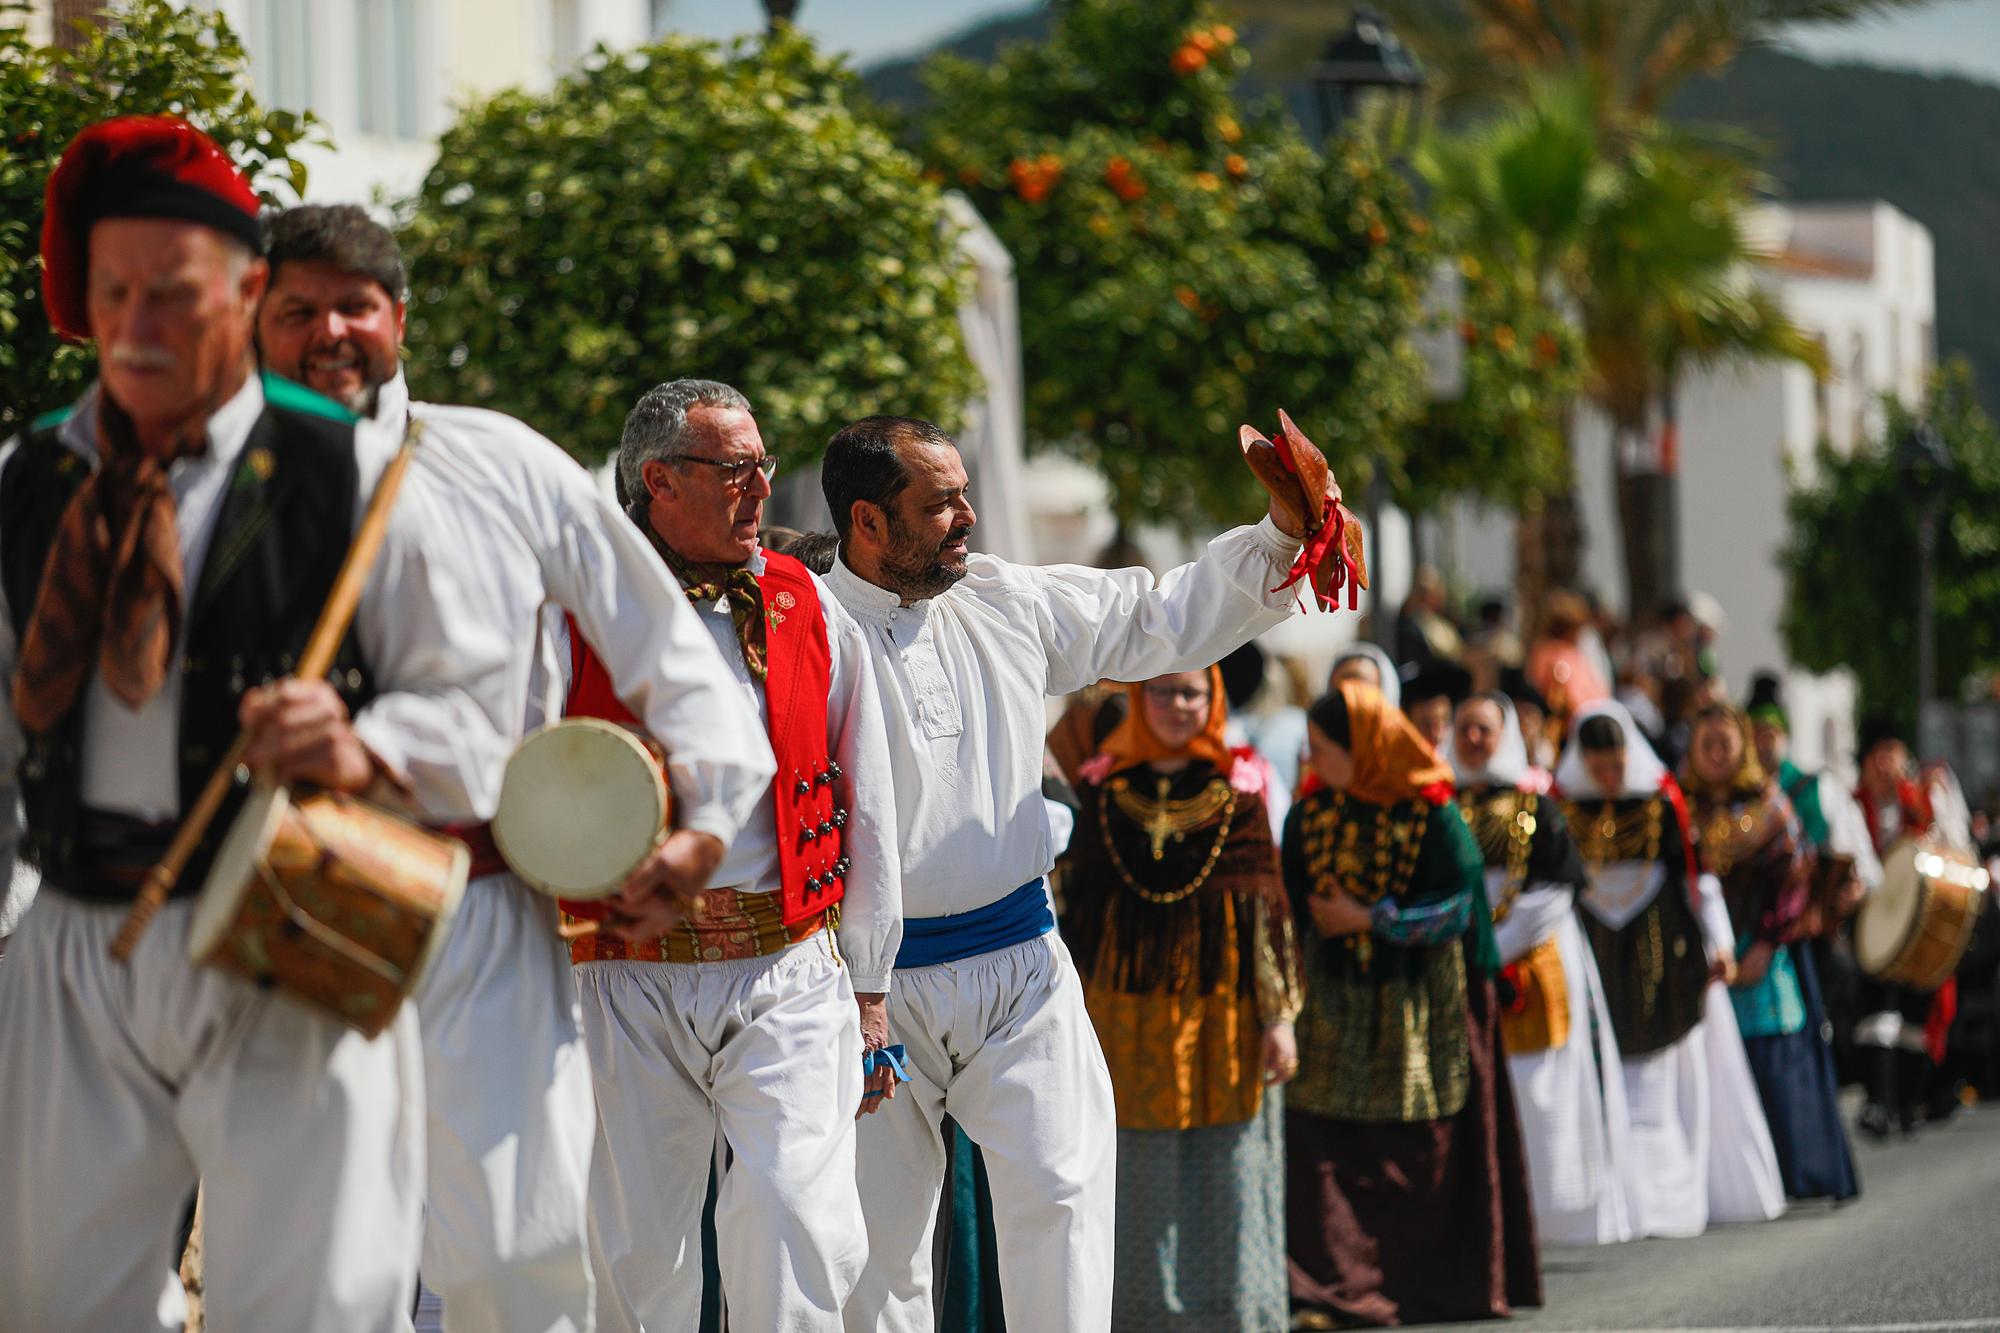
{"type": "Point", "coordinates": [1190, 695]}
{"type": "Point", "coordinates": [736, 471]}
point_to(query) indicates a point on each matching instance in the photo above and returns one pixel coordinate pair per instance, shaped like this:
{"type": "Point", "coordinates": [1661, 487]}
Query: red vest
{"type": "Point", "coordinates": [811, 866]}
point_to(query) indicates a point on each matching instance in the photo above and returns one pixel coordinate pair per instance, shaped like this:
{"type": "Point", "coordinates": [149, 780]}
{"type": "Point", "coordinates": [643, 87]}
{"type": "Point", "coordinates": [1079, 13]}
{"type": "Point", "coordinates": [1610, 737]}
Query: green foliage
{"type": "Point", "coordinates": [150, 57]}
{"type": "Point", "coordinates": [683, 210]}
{"type": "Point", "coordinates": [1185, 263]}
{"type": "Point", "coordinates": [1851, 559]}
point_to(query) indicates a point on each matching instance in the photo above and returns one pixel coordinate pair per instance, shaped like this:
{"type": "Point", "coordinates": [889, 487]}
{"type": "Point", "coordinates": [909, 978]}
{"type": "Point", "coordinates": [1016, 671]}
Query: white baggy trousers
{"type": "Point", "coordinates": [510, 1119]}
{"type": "Point", "coordinates": [121, 1084]}
{"type": "Point", "coordinates": [766, 1053]}
{"type": "Point", "coordinates": [1003, 1044]}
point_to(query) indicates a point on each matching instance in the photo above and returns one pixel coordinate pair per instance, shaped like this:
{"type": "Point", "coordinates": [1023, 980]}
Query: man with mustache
{"type": "Point", "coordinates": [165, 548]}
{"type": "Point", "coordinates": [742, 1026]}
{"type": "Point", "coordinates": [511, 1117]}
{"type": "Point", "coordinates": [987, 999]}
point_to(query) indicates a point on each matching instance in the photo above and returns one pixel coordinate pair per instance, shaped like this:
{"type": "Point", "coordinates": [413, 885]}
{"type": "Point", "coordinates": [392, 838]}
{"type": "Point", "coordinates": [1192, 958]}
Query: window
{"type": "Point", "coordinates": [385, 64]}
{"type": "Point", "coordinates": [279, 39]}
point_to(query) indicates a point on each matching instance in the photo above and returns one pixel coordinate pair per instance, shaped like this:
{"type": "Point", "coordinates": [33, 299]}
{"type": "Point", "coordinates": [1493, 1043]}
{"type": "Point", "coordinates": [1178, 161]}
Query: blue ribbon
{"type": "Point", "coordinates": [892, 1056]}
{"type": "Point", "coordinates": [1019, 917]}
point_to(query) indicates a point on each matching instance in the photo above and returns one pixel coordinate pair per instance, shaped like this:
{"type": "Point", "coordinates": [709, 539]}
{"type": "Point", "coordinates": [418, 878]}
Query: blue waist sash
{"type": "Point", "coordinates": [1020, 916]}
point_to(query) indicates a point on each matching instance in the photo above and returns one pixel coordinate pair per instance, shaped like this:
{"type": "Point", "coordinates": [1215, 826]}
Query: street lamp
{"type": "Point", "coordinates": [1925, 468]}
{"type": "Point", "coordinates": [1368, 59]}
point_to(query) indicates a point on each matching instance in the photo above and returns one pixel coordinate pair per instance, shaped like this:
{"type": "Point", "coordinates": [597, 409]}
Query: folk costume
{"type": "Point", "coordinates": [1562, 1055]}
{"type": "Point", "coordinates": [986, 999]}
{"type": "Point", "coordinates": [125, 665]}
{"type": "Point", "coordinates": [511, 1117]}
{"type": "Point", "coordinates": [739, 1030]}
{"type": "Point", "coordinates": [1186, 946]}
{"type": "Point", "coordinates": [1701, 1150]}
{"type": "Point", "coordinates": [1406, 1184]}
{"type": "Point", "coordinates": [1748, 837]}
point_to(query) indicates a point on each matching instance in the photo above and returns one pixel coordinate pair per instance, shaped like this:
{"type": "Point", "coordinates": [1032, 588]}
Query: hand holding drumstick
{"type": "Point", "coordinates": [666, 888]}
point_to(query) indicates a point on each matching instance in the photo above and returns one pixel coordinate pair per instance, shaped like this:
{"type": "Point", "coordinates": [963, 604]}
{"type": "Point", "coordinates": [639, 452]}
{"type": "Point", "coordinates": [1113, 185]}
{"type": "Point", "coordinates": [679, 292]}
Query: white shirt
{"type": "Point", "coordinates": [963, 676]}
{"type": "Point", "coordinates": [871, 907]}
{"type": "Point", "coordinates": [436, 720]}
{"type": "Point", "coordinates": [532, 523]}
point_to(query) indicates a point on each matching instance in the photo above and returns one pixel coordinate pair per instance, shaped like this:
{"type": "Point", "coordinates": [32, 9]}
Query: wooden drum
{"type": "Point", "coordinates": [584, 802]}
{"type": "Point", "coordinates": [1914, 929]}
{"type": "Point", "coordinates": [332, 900]}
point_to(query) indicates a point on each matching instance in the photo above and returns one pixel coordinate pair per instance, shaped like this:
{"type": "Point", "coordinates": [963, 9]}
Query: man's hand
{"type": "Point", "coordinates": [665, 889]}
{"type": "Point", "coordinates": [1337, 913]}
{"type": "Point", "coordinates": [300, 732]}
{"type": "Point", "coordinates": [881, 1085]}
{"type": "Point", "coordinates": [1280, 1053]}
{"type": "Point", "coordinates": [1723, 968]}
{"type": "Point", "coordinates": [1750, 969]}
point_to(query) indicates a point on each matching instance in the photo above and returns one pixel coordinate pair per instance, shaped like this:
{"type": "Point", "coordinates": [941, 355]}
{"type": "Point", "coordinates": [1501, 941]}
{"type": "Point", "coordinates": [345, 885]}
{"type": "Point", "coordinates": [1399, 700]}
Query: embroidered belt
{"type": "Point", "coordinates": [1021, 916]}
{"type": "Point", "coordinates": [734, 925]}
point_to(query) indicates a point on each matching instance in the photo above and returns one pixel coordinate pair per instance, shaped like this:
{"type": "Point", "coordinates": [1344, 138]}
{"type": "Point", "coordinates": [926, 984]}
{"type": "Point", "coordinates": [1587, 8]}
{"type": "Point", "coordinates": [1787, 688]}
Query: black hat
{"type": "Point", "coordinates": [1878, 729]}
{"type": "Point", "coordinates": [1767, 701]}
{"type": "Point", "coordinates": [1242, 675]}
{"type": "Point", "coordinates": [1515, 685]}
{"type": "Point", "coordinates": [1447, 680]}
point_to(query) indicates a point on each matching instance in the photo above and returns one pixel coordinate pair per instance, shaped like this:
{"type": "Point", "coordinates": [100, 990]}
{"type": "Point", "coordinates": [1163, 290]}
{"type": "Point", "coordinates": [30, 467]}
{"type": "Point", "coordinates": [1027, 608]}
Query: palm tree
{"type": "Point", "coordinates": [1637, 51]}
{"type": "Point", "coordinates": [1637, 229]}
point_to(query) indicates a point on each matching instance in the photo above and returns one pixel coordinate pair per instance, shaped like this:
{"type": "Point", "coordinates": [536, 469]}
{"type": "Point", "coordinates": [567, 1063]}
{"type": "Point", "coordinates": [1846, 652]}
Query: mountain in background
{"type": "Point", "coordinates": [1928, 144]}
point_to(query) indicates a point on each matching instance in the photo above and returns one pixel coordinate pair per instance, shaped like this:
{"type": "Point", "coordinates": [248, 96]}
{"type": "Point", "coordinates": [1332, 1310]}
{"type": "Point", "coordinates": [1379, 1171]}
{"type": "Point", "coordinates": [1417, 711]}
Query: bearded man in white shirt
{"type": "Point", "coordinates": [511, 1119]}
{"type": "Point", "coordinates": [743, 1026]}
{"type": "Point", "coordinates": [987, 999]}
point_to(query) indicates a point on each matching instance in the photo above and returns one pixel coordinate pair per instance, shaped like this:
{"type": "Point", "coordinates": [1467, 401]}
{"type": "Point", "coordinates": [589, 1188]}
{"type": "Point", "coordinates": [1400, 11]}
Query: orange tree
{"type": "Point", "coordinates": [1185, 262]}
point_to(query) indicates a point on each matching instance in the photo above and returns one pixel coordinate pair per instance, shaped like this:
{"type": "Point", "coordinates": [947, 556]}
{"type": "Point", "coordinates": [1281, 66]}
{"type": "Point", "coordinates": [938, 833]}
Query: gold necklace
{"type": "Point", "coordinates": [1161, 819]}
{"type": "Point", "coordinates": [1608, 835]}
{"type": "Point", "coordinates": [1504, 826]}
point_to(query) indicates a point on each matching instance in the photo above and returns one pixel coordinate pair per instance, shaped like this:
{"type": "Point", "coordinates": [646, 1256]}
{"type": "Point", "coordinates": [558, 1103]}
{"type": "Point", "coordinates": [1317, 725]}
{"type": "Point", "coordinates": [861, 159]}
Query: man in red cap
{"type": "Point", "coordinates": [165, 547]}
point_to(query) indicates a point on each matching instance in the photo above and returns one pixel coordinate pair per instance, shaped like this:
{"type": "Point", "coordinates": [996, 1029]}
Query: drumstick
{"type": "Point", "coordinates": [314, 662]}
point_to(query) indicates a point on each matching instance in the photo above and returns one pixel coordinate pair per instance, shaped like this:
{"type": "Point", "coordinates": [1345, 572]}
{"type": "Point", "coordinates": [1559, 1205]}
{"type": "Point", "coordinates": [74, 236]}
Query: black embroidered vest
{"type": "Point", "coordinates": [283, 526]}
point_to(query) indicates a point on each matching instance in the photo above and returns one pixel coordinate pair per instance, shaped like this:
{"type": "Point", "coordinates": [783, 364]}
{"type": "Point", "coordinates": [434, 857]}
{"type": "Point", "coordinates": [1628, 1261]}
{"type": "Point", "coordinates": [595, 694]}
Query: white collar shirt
{"type": "Point", "coordinates": [964, 675]}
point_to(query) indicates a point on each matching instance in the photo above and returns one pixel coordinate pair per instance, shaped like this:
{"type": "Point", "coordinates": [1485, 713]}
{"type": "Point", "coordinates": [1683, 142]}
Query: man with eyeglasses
{"type": "Point", "coordinates": [511, 1124]}
{"type": "Point", "coordinates": [739, 1027]}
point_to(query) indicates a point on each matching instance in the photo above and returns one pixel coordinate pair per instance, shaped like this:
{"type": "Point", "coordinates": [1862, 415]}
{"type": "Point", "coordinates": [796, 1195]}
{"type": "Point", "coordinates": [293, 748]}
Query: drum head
{"type": "Point", "coordinates": [1887, 915]}
{"type": "Point", "coordinates": [235, 868]}
{"type": "Point", "coordinates": [583, 803]}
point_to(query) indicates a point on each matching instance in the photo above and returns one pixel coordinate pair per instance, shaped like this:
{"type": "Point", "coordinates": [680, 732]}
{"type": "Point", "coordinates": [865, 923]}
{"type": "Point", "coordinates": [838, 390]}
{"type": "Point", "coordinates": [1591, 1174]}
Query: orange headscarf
{"type": "Point", "coordinates": [1132, 742]}
{"type": "Point", "coordinates": [1392, 760]}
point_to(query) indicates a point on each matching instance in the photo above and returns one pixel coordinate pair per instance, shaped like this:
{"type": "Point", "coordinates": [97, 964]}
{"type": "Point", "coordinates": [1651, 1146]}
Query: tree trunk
{"type": "Point", "coordinates": [1548, 550]}
{"type": "Point", "coordinates": [1648, 520]}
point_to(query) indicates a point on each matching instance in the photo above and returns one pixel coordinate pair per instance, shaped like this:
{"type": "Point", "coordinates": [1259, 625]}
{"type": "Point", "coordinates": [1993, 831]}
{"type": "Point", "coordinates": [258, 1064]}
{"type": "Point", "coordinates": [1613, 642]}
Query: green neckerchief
{"type": "Point", "coordinates": [708, 583]}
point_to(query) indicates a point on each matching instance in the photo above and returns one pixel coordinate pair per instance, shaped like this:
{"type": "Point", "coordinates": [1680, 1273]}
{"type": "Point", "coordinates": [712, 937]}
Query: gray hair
{"type": "Point", "coordinates": [656, 427]}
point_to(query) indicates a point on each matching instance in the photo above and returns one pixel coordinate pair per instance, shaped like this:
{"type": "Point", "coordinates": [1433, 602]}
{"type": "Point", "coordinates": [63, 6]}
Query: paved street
{"type": "Point", "coordinates": [1919, 1250]}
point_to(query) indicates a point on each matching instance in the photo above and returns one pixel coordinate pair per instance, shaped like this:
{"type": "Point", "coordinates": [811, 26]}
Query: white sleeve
{"type": "Point", "coordinates": [1536, 913]}
{"type": "Point", "coordinates": [871, 907]}
{"type": "Point", "coordinates": [1123, 625]}
{"type": "Point", "coordinates": [1714, 914]}
{"type": "Point", "coordinates": [661, 659]}
{"type": "Point", "coordinates": [442, 719]}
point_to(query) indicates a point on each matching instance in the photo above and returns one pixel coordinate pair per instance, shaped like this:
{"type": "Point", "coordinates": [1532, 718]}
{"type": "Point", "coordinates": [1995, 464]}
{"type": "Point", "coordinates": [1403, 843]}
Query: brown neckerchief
{"type": "Point", "coordinates": [112, 588]}
{"type": "Point", "coordinates": [708, 583]}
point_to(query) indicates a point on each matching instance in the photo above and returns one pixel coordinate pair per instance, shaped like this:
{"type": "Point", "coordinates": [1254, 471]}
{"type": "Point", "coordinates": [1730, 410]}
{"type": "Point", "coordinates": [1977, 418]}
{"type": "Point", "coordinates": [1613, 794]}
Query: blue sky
{"type": "Point", "coordinates": [1950, 36]}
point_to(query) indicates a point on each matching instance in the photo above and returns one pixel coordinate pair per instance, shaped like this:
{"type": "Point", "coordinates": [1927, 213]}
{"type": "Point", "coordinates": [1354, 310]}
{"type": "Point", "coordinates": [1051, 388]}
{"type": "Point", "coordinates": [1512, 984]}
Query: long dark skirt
{"type": "Point", "coordinates": [1795, 1081]}
{"type": "Point", "coordinates": [1422, 1222]}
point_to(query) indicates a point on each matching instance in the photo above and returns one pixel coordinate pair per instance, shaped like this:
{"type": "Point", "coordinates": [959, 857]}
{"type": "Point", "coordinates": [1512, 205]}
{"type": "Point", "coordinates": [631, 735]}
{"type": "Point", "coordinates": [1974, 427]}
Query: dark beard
{"type": "Point", "coordinates": [913, 569]}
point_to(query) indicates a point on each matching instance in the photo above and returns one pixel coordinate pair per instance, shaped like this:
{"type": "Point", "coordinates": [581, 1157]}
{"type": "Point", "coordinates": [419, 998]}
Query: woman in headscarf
{"type": "Point", "coordinates": [1748, 837]}
{"type": "Point", "coordinates": [1701, 1151]}
{"type": "Point", "coordinates": [1366, 664]}
{"type": "Point", "coordinates": [1176, 915]}
{"type": "Point", "coordinates": [1407, 1201]}
{"type": "Point", "coordinates": [1556, 1027]}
